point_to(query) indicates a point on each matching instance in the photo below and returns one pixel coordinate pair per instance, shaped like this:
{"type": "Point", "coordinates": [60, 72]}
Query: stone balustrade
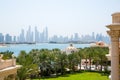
{"type": "Point", "coordinates": [8, 68]}
{"type": "Point", "coordinates": [7, 63]}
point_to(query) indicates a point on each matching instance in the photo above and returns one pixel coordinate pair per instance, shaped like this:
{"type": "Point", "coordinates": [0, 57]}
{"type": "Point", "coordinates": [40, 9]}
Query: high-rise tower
{"type": "Point", "coordinates": [36, 35]}
{"type": "Point", "coordinates": [29, 35]}
{"type": "Point", "coordinates": [22, 37]}
{"type": "Point", "coordinates": [1, 38]}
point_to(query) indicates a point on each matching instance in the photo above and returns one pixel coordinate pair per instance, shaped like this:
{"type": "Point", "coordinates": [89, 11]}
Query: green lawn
{"type": "Point", "coordinates": [80, 76]}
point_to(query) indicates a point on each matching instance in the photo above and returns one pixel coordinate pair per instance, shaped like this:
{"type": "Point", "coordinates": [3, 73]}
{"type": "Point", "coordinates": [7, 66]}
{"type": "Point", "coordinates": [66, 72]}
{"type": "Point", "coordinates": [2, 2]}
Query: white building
{"type": "Point", "coordinates": [70, 49]}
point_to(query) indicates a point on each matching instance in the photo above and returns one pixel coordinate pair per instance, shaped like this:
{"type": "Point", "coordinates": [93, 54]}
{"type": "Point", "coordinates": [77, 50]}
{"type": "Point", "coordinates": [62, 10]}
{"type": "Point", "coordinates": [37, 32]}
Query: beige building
{"type": "Point", "coordinates": [70, 49]}
{"type": "Point", "coordinates": [8, 69]}
{"type": "Point", "coordinates": [114, 33]}
{"type": "Point", "coordinates": [99, 44]}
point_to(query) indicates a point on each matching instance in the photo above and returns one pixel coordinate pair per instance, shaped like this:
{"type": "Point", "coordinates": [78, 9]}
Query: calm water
{"type": "Point", "coordinates": [28, 47]}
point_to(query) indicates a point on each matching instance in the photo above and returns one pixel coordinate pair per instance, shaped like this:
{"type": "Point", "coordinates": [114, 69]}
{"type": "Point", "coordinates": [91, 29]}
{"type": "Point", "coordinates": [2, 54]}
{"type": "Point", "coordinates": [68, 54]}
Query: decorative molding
{"type": "Point", "coordinates": [8, 72]}
{"type": "Point", "coordinates": [114, 34]}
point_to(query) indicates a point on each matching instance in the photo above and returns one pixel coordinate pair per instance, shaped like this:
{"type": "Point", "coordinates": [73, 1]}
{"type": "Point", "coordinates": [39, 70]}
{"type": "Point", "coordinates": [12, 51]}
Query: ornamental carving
{"type": "Point", "coordinates": [114, 34]}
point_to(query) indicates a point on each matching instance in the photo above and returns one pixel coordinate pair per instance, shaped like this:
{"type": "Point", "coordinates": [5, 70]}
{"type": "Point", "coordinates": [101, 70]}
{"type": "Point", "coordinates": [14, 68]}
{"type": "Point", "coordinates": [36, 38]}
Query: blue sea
{"type": "Point", "coordinates": [16, 48]}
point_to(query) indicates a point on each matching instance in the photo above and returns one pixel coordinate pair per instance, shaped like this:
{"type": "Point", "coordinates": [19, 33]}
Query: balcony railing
{"type": "Point", "coordinates": [7, 63]}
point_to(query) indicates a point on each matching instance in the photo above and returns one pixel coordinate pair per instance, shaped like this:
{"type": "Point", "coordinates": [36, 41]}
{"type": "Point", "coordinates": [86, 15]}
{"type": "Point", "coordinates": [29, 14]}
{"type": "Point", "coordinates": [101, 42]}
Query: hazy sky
{"type": "Point", "coordinates": [62, 17]}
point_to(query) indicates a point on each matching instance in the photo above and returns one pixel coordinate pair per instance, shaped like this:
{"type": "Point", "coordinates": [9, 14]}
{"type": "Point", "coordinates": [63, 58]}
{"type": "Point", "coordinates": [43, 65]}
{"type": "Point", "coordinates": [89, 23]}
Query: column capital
{"type": "Point", "coordinates": [114, 34]}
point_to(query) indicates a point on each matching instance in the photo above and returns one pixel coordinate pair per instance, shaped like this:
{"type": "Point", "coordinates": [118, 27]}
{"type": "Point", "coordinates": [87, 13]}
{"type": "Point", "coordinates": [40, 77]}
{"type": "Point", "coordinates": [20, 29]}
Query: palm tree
{"type": "Point", "coordinates": [85, 51]}
{"type": "Point", "coordinates": [34, 53]}
{"type": "Point", "coordinates": [43, 62]}
{"type": "Point", "coordinates": [100, 56]}
{"type": "Point", "coordinates": [28, 68]}
{"type": "Point", "coordinates": [80, 56]}
{"type": "Point", "coordinates": [21, 73]}
{"type": "Point", "coordinates": [61, 60]}
{"type": "Point", "coordinates": [90, 55]}
{"type": "Point", "coordinates": [21, 59]}
{"type": "Point", "coordinates": [73, 61]}
{"type": "Point", "coordinates": [54, 60]}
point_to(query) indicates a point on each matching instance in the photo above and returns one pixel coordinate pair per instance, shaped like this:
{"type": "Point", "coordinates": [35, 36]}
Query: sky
{"type": "Point", "coordinates": [62, 17]}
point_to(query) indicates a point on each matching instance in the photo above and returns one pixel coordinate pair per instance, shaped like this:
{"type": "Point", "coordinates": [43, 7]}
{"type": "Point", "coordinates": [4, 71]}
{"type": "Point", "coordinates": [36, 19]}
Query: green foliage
{"type": "Point", "coordinates": [80, 76]}
{"type": "Point", "coordinates": [27, 68]}
{"type": "Point", "coordinates": [7, 55]}
{"type": "Point", "coordinates": [73, 61]}
{"type": "Point", "coordinates": [46, 62]}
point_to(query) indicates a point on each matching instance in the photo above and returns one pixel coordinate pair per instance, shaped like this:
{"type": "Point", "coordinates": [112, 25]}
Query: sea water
{"type": "Point", "coordinates": [16, 48]}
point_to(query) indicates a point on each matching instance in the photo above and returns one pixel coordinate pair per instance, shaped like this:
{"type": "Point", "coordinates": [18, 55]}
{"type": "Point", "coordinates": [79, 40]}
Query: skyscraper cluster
{"type": "Point", "coordinates": [81, 38]}
{"type": "Point", "coordinates": [35, 36]}
{"type": "Point", "coordinates": [28, 36]}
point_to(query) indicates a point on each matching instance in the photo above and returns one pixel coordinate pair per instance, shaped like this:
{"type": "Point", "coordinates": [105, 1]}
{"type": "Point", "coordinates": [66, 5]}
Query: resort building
{"type": "Point", "coordinates": [8, 68]}
{"type": "Point", "coordinates": [99, 44]}
{"type": "Point", "coordinates": [114, 33]}
{"type": "Point", "coordinates": [102, 44]}
{"type": "Point", "coordinates": [70, 49]}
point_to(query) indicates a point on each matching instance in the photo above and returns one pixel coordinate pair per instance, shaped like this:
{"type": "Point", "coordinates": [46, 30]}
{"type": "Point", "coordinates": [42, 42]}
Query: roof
{"type": "Point", "coordinates": [99, 44]}
{"type": "Point", "coordinates": [116, 13]}
{"type": "Point", "coordinates": [70, 49]}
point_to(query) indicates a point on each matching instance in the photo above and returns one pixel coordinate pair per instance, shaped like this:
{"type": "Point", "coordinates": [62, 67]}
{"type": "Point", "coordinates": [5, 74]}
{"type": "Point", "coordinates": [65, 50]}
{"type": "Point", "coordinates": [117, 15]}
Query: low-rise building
{"type": "Point", "coordinates": [70, 49]}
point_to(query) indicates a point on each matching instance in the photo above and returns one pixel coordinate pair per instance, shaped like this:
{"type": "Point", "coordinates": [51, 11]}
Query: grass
{"type": "Point", "coordinates": [80, 76]}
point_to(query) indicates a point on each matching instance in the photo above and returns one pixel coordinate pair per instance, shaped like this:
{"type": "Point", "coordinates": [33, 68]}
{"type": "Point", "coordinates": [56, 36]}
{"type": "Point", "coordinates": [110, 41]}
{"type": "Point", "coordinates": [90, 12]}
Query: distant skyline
{"type": "Point", "coordinates": [62, 17]}
{"type": "Point", "coordinates": [36, 36]}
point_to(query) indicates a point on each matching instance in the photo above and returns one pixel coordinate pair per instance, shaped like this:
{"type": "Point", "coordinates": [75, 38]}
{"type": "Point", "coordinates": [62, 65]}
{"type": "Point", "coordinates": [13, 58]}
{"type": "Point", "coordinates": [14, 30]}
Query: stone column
{"type": "Point", "coordinates": [114, 34]}
{"type": "Point", "coordinates": [13, 60]}
{"type": "Point", "coordinates": [1, 55]}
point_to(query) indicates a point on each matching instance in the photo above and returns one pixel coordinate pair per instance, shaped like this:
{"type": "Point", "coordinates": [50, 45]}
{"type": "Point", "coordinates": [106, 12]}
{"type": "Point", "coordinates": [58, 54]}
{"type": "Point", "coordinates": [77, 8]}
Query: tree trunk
{"type": "Point", "coordinates": [101, 65]}
{"type": "Point", "coordinates": [86, 64]}
{"type": "Point", "coordinates": [90, 64]}
{"type": "Point", "coordinates": [80, 63]}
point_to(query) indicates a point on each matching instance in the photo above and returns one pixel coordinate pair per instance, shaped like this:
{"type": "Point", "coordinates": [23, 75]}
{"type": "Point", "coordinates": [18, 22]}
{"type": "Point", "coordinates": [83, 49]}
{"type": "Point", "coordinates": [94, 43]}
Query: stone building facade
{"type": "Point", "coordinates": [8, 69]}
